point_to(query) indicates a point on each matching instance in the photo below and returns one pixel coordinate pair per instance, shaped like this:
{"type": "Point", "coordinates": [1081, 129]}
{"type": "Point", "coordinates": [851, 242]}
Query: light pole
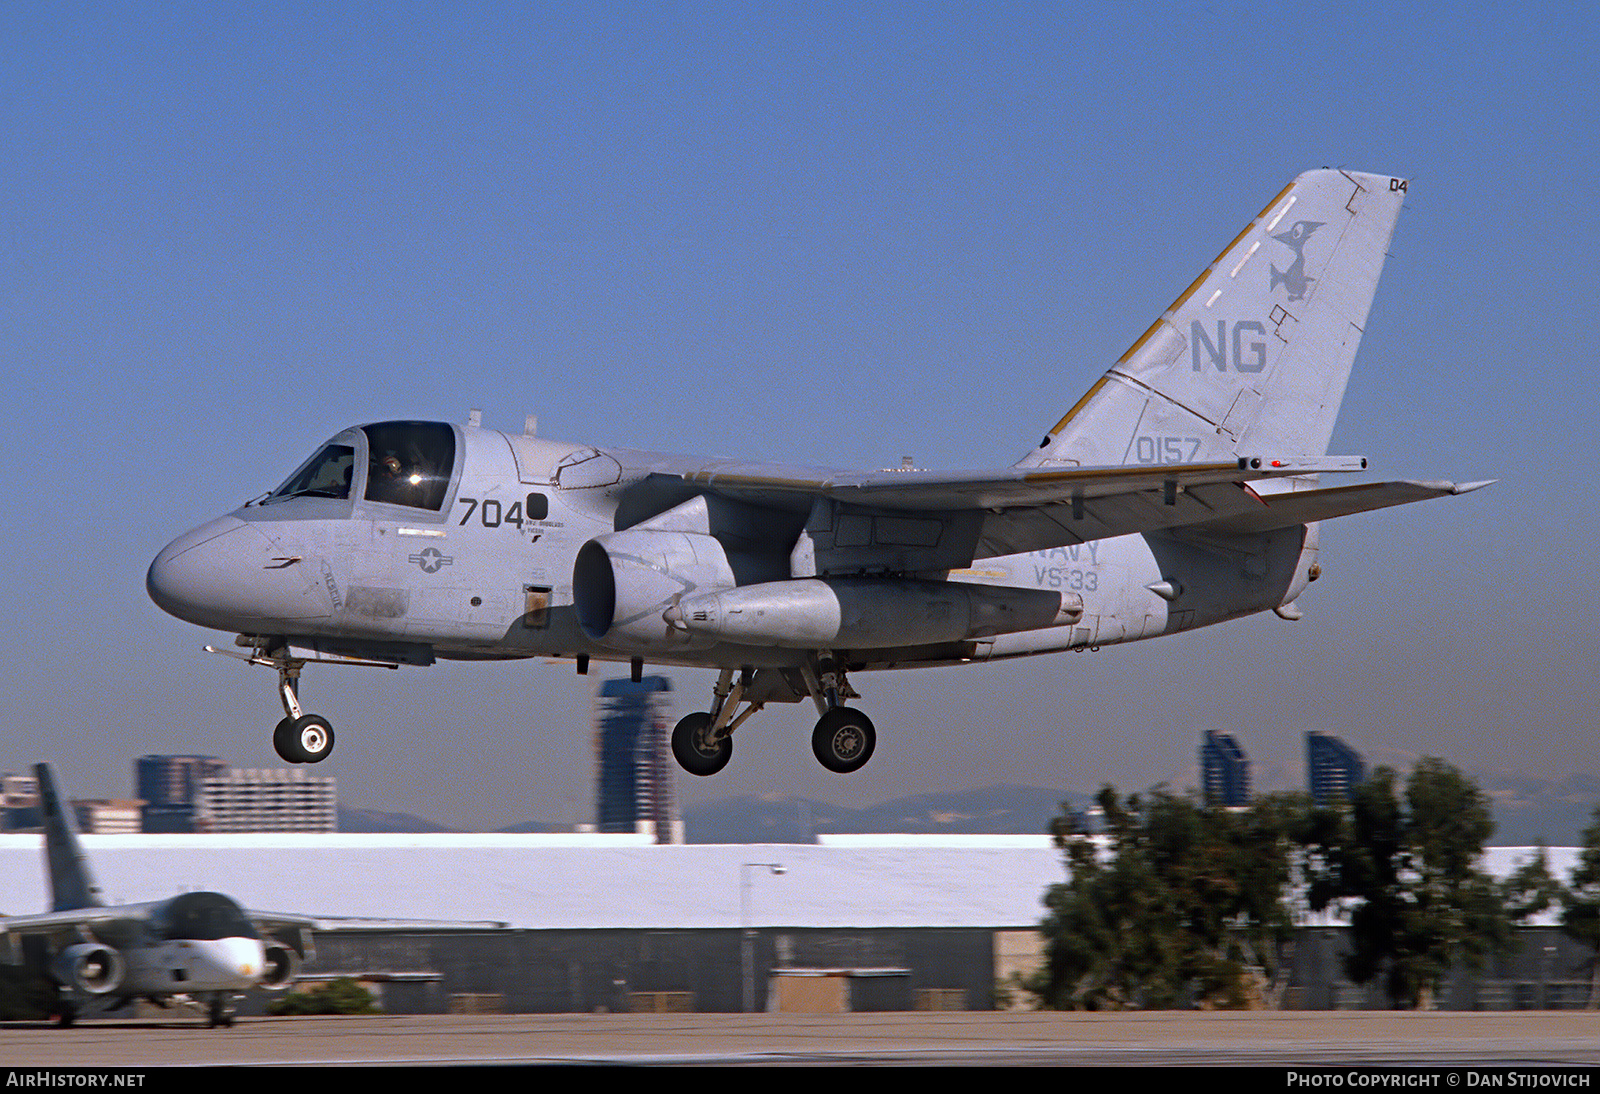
{"type": "Point", "coordinates": [747, 933]}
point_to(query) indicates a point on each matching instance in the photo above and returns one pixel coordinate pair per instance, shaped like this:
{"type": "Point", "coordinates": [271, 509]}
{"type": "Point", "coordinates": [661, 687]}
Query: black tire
{"type": "Point", "coordinates": [307, 739]}
{"type": "Point", "coordinates": [689, 746]}
{"type": "Point", "coordinates": [283, 742]}
{"type": "Point", "coordinates": [844, 740]}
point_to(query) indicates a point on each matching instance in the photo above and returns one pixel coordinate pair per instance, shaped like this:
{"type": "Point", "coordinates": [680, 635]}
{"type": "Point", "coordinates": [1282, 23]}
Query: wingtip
{"type": "Point", "coordinates": [1469, 487]}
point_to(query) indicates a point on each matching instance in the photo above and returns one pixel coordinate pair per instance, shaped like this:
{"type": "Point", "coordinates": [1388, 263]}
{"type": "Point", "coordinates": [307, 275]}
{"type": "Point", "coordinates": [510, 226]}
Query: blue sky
{"type": "Point", "coordinates": [819, 233]}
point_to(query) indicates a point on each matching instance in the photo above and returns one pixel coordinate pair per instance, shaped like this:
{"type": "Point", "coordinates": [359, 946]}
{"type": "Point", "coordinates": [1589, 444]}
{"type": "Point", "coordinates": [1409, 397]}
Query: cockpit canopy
{"type": "Point", "coordinates": [402, 463]}
{"type": "Point", "coordinates": [203, 916]}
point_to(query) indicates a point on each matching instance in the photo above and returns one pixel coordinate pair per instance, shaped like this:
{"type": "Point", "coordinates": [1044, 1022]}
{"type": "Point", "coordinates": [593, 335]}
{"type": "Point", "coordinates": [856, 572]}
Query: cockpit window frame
{"type": "Point", "coordinates": [357, 506]}
{"type": "Point", "coordinates": [303, 476]}
{"type": "Point", "coordinates": [408, 467]}
{"type": "Point", "coordinates": [204, 917]}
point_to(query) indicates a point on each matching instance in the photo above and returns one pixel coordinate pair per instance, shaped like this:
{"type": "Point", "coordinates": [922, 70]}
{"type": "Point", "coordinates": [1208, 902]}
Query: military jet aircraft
{"type": "Point", "coordinates": [201, 946]}
{"type": "Point", "coordinates": [1183, 489]}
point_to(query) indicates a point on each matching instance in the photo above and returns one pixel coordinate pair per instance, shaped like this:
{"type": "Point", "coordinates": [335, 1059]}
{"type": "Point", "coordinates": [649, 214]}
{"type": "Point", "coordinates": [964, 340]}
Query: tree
{"type": "Point", "coordinates": [1177, 904]}
{"type": "Point", "coordinates": [1532, 888]}
{"type": "Point", "coordinates": [341, 996]}
{"type": "Point", "coordinates": [1580, 911]}
{"type": "Point", "coordinates": [1408, 871]}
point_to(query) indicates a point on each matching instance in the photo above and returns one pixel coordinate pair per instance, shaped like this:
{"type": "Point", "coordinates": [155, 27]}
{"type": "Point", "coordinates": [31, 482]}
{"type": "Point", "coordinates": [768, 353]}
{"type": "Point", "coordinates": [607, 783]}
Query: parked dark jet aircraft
{"type": "Point", "coordinates": [200, 946]}
{"type": "Point", "coordinates": [1182, 490]}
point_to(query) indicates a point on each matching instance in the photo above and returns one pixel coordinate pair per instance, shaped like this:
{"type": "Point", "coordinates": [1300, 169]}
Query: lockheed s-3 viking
{"type": "Point", "coordinates": [1183, 489]}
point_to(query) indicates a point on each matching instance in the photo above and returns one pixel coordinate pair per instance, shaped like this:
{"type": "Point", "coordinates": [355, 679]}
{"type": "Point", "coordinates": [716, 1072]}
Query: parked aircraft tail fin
{"type": "Point", "coordinates": [71, 883]}
{"type": "Point", "coordinates": [1253, 357]}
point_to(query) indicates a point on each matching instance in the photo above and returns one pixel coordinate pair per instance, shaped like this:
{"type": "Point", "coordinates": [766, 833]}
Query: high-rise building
{"type": "Point", "coordinates": [19, 801]}
{"type": "Point", "coordinates": [107, 816]}
{"type": "Point", "coordinates": [169, 786]}
{"type": "Point", "coordinates": [634, 788]}
{"type": "Point", "coordinates": [267, 800]}
{"type": "Point", "coordinates": [1224, 770]}
{"type": "Point", "coordinates": [1333, 768]}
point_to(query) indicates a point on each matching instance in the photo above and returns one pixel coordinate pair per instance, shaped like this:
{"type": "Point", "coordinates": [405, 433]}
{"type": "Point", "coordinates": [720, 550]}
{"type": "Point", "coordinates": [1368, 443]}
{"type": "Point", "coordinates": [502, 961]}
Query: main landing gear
{"type": "Point", "coordinates": [219, 1011]}
{"type": "Point", "coordinates": [703, 742]}
{"type": "Point", "coordinates": [843, 740]}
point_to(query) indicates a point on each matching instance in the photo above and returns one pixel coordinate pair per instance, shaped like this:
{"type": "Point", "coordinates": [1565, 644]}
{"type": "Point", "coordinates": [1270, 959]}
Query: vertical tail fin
{"type": "Point", "coordinates": [1254, 356]}
{"type": "Point", "coordinates": [71, 883]}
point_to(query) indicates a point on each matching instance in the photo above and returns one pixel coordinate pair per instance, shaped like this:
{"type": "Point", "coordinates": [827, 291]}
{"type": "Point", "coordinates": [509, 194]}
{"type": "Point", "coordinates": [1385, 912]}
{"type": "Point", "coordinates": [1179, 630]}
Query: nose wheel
{"type": "Point", "coordinates": [307, 739]}
{"type": "Point", "coordinates": [219, 1012]}
{"type": "Point", "coordinates": [300, 738]}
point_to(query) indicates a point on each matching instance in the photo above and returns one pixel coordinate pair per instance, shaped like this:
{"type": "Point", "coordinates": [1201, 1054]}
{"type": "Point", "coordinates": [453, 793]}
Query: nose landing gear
{"type": "Point", "coordinates": [300, 738]}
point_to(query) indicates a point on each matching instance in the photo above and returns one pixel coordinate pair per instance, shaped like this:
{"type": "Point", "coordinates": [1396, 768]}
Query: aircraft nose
{"type": "Point", "coordinates": [236, 962]}
{"type": "Point", "coordinates": [228, 575]}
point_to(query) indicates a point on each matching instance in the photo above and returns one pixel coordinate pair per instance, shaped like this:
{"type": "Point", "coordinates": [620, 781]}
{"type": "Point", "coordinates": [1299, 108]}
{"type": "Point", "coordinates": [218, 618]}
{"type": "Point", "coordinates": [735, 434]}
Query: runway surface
{"type": "Point", "coordinates": [1277, 1039]}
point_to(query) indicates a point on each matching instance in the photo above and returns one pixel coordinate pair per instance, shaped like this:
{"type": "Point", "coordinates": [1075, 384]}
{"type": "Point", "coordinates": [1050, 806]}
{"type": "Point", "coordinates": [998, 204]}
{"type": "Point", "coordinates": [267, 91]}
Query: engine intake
{"type": "Point", "coordinates": [90, 968]}
{"type": "Point", "coordinates": [624, 583]}
{"type": "Point", "coordinates": [282, 967]}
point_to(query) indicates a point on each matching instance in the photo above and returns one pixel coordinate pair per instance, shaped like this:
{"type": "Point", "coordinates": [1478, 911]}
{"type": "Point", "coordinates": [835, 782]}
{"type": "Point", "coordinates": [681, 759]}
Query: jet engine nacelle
{"type": "Point", "coordinates": [282, 967]}
{"type": "Point", "coordinates": [868, 613]}
{"type": "Point", "coordinates": [90, 968]}
{"type": "Point", "coordinates": [623, 583]}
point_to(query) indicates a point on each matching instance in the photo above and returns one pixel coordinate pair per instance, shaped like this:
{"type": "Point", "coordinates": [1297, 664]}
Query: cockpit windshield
{"type": "Point", "coordinates": [409, 463]}
{"type": "Point", "coordinates": [325, 475]}
{"type": "Point", "coordinates": [201, 916]}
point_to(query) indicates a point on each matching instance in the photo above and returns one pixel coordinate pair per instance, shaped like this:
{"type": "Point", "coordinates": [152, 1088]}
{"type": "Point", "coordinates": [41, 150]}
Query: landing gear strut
{"type": "Point", "coordinates": [844, 738]}
{"type": "Point", "coordinates": [703, 742]}
{"type": "Point", "coordinates": [218, 1012]}
{"type": "Point", "coordinates": [300, 738]}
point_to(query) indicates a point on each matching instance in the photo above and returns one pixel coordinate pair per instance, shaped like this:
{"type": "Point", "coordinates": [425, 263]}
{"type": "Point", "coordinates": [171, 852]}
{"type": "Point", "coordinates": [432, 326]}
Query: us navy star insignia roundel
{"type": "Point", "coordinates": [432, 560]}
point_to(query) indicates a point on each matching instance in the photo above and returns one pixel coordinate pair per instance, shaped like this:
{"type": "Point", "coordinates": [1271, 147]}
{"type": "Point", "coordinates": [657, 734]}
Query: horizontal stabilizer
{"type": "Point", "coordinates": [1306, 506]}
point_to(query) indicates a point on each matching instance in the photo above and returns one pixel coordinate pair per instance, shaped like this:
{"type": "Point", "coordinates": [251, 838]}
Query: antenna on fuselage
{"type": "Point", "coordinates": [474, 418]}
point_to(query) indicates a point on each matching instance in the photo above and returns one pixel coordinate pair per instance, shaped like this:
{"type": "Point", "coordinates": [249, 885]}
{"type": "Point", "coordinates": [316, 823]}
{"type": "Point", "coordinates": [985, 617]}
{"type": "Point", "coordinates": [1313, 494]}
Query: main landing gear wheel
{"type": "Point", "coordinates": [844, 740]}
{"type": "Point", "coordinates": [307, 739]}
{"type": "Point", "coordinates": [693, 752]}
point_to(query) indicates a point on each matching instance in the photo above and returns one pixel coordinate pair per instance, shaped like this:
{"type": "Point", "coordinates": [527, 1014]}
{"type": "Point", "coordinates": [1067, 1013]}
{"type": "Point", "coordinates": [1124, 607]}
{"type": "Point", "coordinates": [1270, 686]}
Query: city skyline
{"type": "Point", "coordinates": [809, 234]}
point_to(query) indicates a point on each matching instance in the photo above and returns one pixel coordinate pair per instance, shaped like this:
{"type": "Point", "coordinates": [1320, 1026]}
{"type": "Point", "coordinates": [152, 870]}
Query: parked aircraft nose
{"type": "Point", "coordinates": [228, 575]}
{"type": "Point", "coordinates": [225, 962]}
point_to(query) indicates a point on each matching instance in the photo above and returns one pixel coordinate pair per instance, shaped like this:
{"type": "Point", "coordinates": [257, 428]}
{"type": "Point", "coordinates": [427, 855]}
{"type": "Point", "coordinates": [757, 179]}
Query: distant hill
{"type": "Point", "coordinates": [527, 827]}
{"type": "Point", "coordinates": [1526, 811]}
{"type": "Point", "coordinates": [376, 820]}
{"type": "Point", "coordinates": [1529, 811]}
{"type": "Point", "coordinates": [781, 819]}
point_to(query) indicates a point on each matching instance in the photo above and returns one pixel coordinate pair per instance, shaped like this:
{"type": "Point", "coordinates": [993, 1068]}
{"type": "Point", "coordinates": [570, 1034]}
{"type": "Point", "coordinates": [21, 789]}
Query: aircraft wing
{"type": "Point", "coordinates": [962, 516]}
{"type": "Point", "coordinates": [290, 929]}
{"type": "Point", "coordinates": [50, 922]}
{"type": "Point", "coordinates": [114, 926]}
{"type": "Point", "coordinates": [1305, 506]}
